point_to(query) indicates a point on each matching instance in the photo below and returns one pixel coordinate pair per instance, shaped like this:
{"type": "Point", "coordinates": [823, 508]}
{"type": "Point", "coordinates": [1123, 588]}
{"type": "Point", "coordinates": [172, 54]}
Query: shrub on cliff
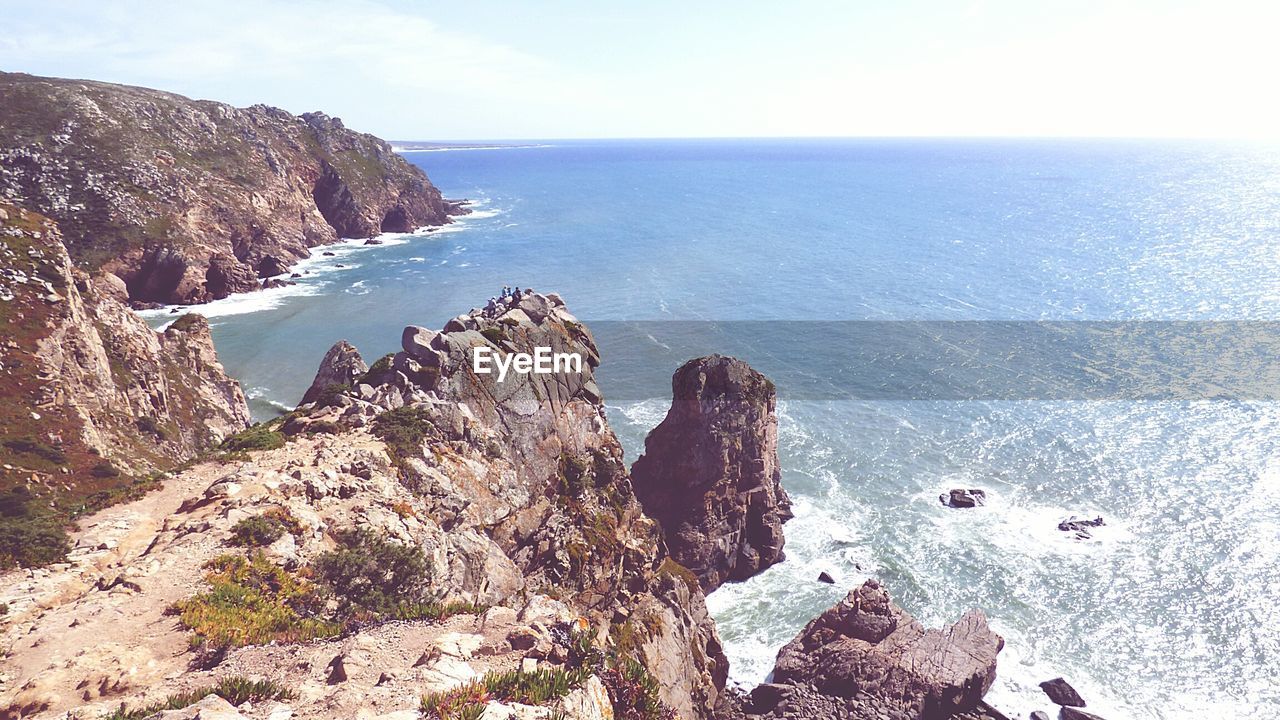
{"type": "Point", "coordinates": [262, 530]}
{"type": "Point", "coordinates": [404, 429]}
{"type": "Point", "coordinates": [371, 575]}
{"type": "Point", "coordinates": [256, 437]}
{"type": "Point", "coordinates": [253, 602]}
{"type": "Point", "coordinates": [30, 534]}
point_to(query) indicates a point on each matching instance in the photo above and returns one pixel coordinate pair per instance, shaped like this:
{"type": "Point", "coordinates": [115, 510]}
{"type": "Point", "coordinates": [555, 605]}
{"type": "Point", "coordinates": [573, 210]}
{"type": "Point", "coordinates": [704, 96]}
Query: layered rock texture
{"type": "Point", "coordinates": [710, 476]}
{"type": "Point", "coordinates": [93, 399]}
{"type": "Point", "coordinates": [865, 646]}
{"type": "Point", "coordinates": [190, 200]}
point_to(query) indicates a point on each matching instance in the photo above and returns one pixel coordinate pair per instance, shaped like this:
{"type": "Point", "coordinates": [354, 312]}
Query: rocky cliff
{"type": "Point", "coordinates": [94, 400]}
{"type": "Point", "coordinates": [428, 541]}
{"type": "Point", "coordinates": [710, 476]}
{"type": "Point", "coordinates": [190, 200]}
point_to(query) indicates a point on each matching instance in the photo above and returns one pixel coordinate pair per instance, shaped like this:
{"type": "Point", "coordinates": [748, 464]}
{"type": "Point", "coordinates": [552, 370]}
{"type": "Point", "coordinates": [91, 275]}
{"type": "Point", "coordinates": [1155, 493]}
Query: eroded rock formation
{"type": "Point", "coordinates": [709, 474]}
{"type": "Point", "coordinates": [190, 200]}
{"type": "Point", "coordinates": [867, 646]}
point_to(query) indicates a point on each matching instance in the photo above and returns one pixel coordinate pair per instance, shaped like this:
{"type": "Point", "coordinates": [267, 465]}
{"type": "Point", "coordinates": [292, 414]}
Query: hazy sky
{"type": "Point", "coordinates": [662, 68]}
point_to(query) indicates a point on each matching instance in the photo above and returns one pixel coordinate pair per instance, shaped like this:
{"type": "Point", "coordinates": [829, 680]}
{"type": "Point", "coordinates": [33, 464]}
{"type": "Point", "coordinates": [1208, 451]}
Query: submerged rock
{"type": "Point", "coordinates": [710, 476]}
{"type": "Point", "coordinates": [964, 498]}
{"type": "Point", "coordinates": [1070, 713]}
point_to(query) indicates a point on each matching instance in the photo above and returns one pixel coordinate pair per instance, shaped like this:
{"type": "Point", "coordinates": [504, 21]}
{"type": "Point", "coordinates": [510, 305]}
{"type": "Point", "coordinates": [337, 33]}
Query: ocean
{"type": "Point", "coordinates": [819, 261]}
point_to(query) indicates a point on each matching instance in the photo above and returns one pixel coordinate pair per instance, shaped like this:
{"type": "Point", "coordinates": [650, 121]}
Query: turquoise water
{"type": "Point", "coordinates": [1169, 612]}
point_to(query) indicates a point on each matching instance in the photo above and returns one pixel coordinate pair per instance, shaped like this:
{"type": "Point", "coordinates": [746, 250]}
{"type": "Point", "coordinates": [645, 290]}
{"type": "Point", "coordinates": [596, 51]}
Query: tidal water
{"type": "Point", "coordinates": [1171, 610]}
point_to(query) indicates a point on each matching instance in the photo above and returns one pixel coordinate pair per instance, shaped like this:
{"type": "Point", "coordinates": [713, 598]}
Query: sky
{"type": "Point", "coordinates": [422, 70]}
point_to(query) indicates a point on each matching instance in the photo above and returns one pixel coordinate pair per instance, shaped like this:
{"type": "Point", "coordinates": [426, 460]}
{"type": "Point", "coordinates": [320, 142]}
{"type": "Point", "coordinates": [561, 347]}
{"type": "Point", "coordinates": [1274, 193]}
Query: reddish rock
{"type": "Point", "coordinates": [709, 474]}
{"type": "Point", "coordinates": [866, 645]}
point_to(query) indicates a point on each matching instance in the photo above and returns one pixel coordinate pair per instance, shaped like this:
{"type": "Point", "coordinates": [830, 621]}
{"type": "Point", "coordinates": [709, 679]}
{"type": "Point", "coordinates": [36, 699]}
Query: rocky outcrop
{"type": "Point", "coordinates": [340, 368]}
{"type": "Point", "coordinates": [710, 476]}
{"type": "Point", "coordinates": [190, 200]}
{"type": "Point", "coordinates": [530, 462]}
{"type": "Point", "coordinates": [93, 398]}
{"type": "Point", "coordinates": [867, 646]}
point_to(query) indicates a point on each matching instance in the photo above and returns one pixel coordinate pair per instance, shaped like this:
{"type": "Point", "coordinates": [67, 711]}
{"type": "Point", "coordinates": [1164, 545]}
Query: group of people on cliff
{"type": "Point", "coordinates": [508, 298]}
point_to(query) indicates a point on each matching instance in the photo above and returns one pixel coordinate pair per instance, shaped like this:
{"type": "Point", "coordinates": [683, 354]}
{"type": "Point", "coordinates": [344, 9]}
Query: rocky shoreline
{"type": "Point", "coordinates": [180, 201]}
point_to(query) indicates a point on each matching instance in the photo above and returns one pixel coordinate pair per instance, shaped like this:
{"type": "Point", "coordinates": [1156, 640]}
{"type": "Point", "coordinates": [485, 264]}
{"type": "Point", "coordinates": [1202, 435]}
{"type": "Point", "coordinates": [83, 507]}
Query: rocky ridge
{"type": "Point", "coordinates": [188, 201]}
{"type": "Point", "coordinates": [94, 400]}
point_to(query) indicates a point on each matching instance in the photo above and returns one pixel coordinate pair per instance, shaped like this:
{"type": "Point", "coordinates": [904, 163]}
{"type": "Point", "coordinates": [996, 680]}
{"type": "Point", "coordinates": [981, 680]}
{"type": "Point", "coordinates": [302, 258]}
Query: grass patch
{"type": "Point", "coordinates": [236, 690]}
{"type": "Point", "coordinates": [674, 569]}
{"type": "Point", "coordinates": [253, 602]}
{"type": "Point", "coordinates": [37, 449]}
{"type": "Point", "coordinates": [255, 437]}
{"type": "Point", "coordinates": [31, 535]}
{"type": "Point", "coordinates": [494, 335]}
{"type": "Point", "coordinates": [633, 692]}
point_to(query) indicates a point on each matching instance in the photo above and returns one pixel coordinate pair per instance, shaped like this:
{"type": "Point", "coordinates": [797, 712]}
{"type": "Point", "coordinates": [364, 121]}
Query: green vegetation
{"type": "Point", "coordinates": [255, 437]}
{"type": "Point", "coordinates": [330, 394]}
{"type": "Point", "coordinates": [371, 575]}
{"type": "Point", "coordinates": [494, 335]}
{"type": "Point", "coordinates": [376, 370]}
{"type": "Point", "coordinates": [262, 530]}
{"type": "Point", "coordinates": [31, 535]}
{"type": "Point", "coordinates": [575, 475]}
{"type": "Point", "coordinates": [674, 569]}
{"type": "Point", "coordinates": [253, 602]}
{"type": "Point", "coordinates": [37, 449]}
{"type": "Point", "coordinates": [104, 470]}
{"type": "Point", "coordinates": [404, 429]}
{"type": "Point", "coordinates": [236, 690]}
{"type": "Point", "coordinates": [633, 693]}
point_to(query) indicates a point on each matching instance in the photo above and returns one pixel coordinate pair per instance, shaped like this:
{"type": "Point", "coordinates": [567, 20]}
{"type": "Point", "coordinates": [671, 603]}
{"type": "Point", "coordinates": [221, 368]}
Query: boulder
{"type": "Point", "coordinates": [867, 645]}
{"type": "Point", "coordinates": [419, 343]}
{"type": "Point", "coordinates": [1060, 692]}
{"type": "Point", "coordinates": [1038, 715]}
{"type": "Point", "coordinates": [710, 475]}
{"type": "Point", "coordinates": [825, 577]}
{"type": "Point", "coordinates": [342, 365]}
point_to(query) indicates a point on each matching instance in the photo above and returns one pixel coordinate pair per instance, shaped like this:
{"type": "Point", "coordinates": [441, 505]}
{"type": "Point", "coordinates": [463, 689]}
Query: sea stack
{"type": "Point", "coordinates": [710, 476]}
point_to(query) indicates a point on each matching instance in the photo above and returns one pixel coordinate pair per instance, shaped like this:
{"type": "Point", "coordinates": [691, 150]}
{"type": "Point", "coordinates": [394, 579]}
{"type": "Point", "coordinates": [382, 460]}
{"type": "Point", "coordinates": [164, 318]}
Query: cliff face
{"type": "Point", "coordinates": [512, 495]}
{"type": "Point", "coordinates": [93, 399]}
{"type": "Point", "coordinates": [191, 200]}
{"type": "Point", "coordinates": [709, 474]}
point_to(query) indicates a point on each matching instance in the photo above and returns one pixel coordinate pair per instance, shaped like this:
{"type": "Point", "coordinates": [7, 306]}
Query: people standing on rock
{"type": "Point", "coordinates": [515, 294]}
{"type": "Point", "coordinates": [506, 292]}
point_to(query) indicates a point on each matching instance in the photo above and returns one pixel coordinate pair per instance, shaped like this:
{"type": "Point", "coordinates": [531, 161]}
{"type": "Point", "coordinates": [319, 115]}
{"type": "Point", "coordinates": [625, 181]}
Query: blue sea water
{"type": "Point", "coordinates": [1170, 611]}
